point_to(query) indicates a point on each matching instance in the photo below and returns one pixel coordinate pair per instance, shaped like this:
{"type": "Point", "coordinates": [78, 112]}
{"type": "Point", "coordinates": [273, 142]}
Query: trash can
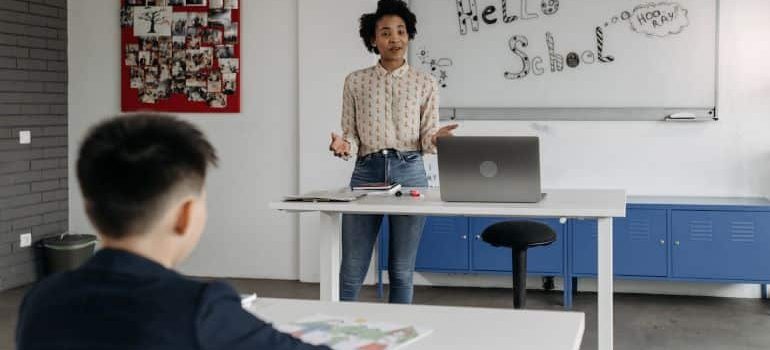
{"type": "Point", "coordinates": [67, 252]}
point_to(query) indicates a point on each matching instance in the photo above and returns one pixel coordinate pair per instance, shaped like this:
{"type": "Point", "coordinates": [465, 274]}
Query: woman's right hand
{"type": "Point", "coordinates": [340, 147]}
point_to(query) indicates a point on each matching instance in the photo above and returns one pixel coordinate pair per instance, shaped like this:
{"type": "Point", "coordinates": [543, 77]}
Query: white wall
{"type": "Point", "coordinates": [257, 147]}
{"type": "Point", "coordinates": [730, 157]}
{"type": "Point", "coordinates": [329, 49]}
{"type": "Point", "coordinates": [295, 56]}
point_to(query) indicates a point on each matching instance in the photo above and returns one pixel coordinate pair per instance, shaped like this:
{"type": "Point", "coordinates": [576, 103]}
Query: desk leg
{"type": "Point", "coordinates": [331, 240]}
{"type": "Point", "coordinates": [605, 331]}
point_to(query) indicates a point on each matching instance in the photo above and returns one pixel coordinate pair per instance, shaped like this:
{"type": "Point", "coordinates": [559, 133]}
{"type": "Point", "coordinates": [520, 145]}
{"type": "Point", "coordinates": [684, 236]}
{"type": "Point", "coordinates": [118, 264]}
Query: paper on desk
{"type": "Point", "coordinates": [345, 333]}
{"type": "Point", "coordinates": [248, 299]}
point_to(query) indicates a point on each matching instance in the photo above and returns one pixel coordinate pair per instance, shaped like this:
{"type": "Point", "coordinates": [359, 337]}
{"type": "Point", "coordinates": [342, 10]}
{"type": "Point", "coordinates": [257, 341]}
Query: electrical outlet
{"type": "Point", "coordinates": [25, 240]}
{"type": "Point", "coordinates": [25, 137]}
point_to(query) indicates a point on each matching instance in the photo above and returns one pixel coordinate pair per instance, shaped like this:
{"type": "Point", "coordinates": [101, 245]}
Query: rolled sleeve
{"type": "Point", "coordinates": [429, 119]}
{"type": "Point", "coordinates": [348, 120]}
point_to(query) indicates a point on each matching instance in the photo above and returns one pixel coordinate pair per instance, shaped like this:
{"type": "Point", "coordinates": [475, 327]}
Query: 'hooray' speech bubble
{"type": "Point", "coordinates": [659, 19]}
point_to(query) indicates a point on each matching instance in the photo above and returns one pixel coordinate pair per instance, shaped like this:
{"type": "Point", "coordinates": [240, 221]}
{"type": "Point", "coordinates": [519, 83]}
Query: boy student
{"type": "Point", "coordinates": [142, 181]}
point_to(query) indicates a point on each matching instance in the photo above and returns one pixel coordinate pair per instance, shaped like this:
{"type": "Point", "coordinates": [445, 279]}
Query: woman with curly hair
{"type": "Point", "coordinates": [389, 120]}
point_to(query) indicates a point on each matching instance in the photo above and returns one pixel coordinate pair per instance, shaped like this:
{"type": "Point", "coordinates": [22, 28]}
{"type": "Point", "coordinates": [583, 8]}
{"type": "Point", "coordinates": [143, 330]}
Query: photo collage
{"type": "Point", "coordinates": [181, 47]}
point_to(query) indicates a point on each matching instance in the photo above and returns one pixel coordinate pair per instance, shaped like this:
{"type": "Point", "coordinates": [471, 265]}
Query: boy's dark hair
{"type": "Point", "coordinates": [368, 21]}
{"type": "Point", "coordinates": [130, 166]}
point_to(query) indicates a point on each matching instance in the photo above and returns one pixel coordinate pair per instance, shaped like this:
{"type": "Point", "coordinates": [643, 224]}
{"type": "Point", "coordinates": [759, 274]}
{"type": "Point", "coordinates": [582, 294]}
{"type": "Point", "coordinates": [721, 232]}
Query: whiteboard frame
{"type": "Point", "coordinates": [691, 114]}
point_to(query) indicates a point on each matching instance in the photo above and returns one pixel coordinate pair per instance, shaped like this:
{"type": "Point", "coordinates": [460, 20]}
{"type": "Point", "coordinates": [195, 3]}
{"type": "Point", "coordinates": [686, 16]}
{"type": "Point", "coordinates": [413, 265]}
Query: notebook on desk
{"type": "Point", "coordinates": [325, 196]}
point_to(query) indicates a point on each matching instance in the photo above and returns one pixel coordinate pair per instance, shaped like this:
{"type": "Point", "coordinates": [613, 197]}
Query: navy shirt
{"type": "Point", "coordinates": [119, 300]}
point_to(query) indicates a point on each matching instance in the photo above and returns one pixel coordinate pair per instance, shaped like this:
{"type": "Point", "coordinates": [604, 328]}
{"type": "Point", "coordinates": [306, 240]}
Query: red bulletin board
{"type": "Point", "coordinates": [180, 56]}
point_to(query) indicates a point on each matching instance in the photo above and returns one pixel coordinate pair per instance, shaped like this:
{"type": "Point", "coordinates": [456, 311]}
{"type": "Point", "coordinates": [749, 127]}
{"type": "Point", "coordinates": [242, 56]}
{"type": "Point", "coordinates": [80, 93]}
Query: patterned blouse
{"type": "Point", "coordinates": [382, 109]}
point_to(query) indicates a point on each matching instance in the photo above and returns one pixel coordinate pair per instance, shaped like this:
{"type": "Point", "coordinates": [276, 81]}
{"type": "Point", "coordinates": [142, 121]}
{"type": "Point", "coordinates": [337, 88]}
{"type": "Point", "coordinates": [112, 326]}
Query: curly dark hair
{"type": "Point", "coordinates": [368, 21]}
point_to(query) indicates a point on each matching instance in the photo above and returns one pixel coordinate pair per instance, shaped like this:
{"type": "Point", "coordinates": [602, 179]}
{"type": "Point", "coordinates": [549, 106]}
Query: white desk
{"type": "Point", "coordinates": [600, 204]}
{"type": "Point", "coordinates": [453, 327]}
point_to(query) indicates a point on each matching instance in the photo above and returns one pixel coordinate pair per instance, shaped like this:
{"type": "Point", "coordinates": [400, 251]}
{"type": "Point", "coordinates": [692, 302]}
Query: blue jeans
{"type": "Point", "coordinates": [359, 232]}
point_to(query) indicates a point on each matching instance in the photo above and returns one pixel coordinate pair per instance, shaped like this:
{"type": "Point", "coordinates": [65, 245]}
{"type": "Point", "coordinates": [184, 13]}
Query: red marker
{"type": "Point", "coordinates": [414, 193]}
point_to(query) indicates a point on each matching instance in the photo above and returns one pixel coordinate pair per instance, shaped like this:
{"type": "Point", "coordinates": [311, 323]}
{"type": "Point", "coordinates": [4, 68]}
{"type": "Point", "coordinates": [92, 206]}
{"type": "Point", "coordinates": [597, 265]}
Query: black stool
{"type": "Point", "coordinates": [519, 236]}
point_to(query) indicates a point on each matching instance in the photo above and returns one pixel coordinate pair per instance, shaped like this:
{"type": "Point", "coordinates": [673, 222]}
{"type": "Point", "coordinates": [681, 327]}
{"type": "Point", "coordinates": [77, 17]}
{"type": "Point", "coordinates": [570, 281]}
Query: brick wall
{"type": "Point", "coordinates": [33, 96]}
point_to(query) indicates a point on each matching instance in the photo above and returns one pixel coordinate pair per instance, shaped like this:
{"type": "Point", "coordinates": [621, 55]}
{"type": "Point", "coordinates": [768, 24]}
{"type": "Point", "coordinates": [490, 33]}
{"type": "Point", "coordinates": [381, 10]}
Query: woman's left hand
{"type": "Point", "coordinates": [444, 131]}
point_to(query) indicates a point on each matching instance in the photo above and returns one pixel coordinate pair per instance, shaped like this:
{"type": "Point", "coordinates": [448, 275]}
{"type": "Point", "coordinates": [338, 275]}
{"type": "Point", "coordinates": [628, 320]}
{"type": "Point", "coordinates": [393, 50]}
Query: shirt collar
{"type": "Point", "coordinates": [398, 73]}
{"type": "Point", "coordinates": [122, 261]}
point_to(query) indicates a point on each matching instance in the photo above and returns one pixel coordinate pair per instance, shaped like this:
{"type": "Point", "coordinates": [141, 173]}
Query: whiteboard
{"type": "Point", "coordinates": [548, 59]}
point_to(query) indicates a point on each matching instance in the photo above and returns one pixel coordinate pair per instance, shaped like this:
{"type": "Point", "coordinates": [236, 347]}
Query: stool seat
{"type": "Point", "coordinates": [518, 234]}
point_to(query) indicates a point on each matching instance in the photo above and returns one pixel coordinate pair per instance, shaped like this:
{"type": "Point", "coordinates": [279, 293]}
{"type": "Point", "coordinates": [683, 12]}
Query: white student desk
{"type": "Point", "coordinates": [452, 327]}
{"type": "Point", "coordinates": [600, 204]}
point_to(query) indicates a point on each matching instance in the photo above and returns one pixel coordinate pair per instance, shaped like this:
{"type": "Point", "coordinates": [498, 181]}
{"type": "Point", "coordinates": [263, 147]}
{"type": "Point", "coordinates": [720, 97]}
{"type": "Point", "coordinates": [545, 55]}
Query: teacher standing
{"type": "Point", "coordinates": [389, 120]}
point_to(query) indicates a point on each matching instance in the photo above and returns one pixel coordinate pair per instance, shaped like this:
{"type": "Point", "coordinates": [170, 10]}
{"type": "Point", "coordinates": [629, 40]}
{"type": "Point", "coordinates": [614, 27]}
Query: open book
{"type": "Point", "coordinates": [342, 333]}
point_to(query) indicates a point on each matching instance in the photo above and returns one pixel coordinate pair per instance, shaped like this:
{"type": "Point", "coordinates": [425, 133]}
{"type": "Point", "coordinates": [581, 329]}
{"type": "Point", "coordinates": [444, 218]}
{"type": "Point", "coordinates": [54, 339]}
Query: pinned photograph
{"type": "Point", "coordinates": [197, 19]}
{"type": "Point", "coordinates": [193, 41]}
{"type": "Point", "coordinates": [132, 48]}
{"type": "Point", "coordinates": [196, 94]}
{"type": "Point", "coordinates": [147, 93]}
{"type": "Point", "coordinates": [231, 4]}
{"type": "Point", "coordinates": [216, 4]}
{"type": "Point", "coordinates": [165, 73]}
{"type": "Point", "coordinates": [136, 77]}
{"type": "Point", "coordinates": [196, 60]}
{"type": "Point", "coordinates": [151, 75]}
{"type": "Point", "coordinates": [178, 86]}
{"type": "Point", "coordinates": [127, 16]}
{"type": "Point", "coordinates": [215, 81]}
{"type": "Point", "coordinates": [212, 36]}
{"type": "Point", "coordinates": [164, 43]}
{"type": "Point", "coordinates": [217, 100]}
{"type": "Point", "coordinates": [228, 83]}
{"type": "Point", "coordinates": [132, 55]}
{"type": "Point", "coordinates": [180, 55]}
{"type": "Point", "coordinates": [225, 51]}
{"type": "Point", "coordinates": [148, 44]}
{"type": "Point", "coordinates": [196, 3]}
{"type": "Point", "coordinates": [231, 33]}
{"type": "Point", "coordinates": [163, 91]}
{"type": "Point", "coordinates": [179, 23]}
{"type": "Point", "coordinates": [197, 80]}
{"type": "Point", "coordinates": [178, 69]}
{"type": "Point", "coordinates": [152, 21]}
{"type": "Point", "coordinates": [228, 65]}
{"type": "Point", "coordinates": [179, 43]}
{"type": "Point", "coordinates": [145, 58]}
{"type": "Point", "coordinates": [221, 17]}
{"type": "Point", "coordinates": [131, 59]}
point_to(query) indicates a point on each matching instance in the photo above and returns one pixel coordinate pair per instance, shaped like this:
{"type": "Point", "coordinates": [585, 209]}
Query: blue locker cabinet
{"type": "Point", "coordinates": [443, 246]}
{"type": "Point", "coordinates": [548, 260]}
{"type": "Point", "coordinates": [639, 244]}
{"type": "Point", "coordinates": [720, 244]}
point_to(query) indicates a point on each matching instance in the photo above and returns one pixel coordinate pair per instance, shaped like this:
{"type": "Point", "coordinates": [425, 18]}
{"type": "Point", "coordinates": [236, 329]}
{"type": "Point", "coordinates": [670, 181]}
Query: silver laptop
{"type": "Point", "coordinates": [489, 169]}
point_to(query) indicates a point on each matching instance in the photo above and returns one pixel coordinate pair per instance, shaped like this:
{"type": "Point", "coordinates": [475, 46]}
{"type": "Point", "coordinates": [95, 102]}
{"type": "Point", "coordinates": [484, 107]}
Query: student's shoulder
{"type": "Point", "coordinates": [48, 286]}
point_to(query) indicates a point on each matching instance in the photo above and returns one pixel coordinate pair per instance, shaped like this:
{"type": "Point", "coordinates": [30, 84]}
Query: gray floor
{"type": "Point", "coordinates": [641, 321]}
